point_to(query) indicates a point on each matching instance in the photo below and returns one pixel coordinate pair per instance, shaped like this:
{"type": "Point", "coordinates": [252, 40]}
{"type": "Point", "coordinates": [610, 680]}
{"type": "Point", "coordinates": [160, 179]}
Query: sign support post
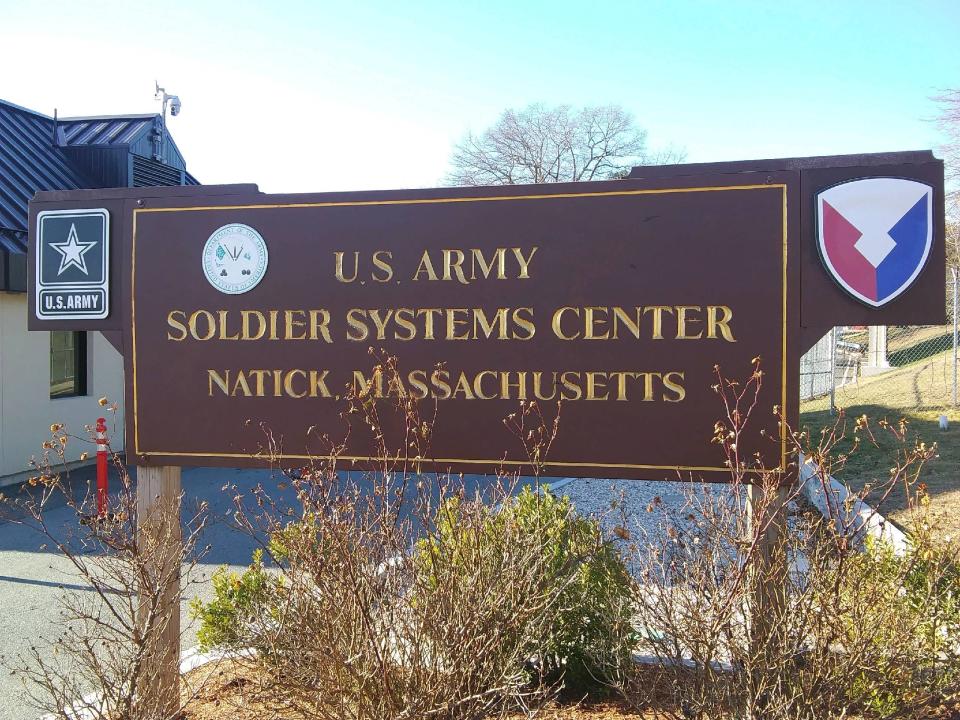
{"type": "Point", "coordinates": [767, 521]}
{"type": "Point", "coordinates": [159, 538]}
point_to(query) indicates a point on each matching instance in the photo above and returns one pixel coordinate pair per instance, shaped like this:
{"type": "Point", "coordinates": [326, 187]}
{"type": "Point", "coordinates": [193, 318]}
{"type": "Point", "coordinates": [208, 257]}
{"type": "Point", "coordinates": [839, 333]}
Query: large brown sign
{"type": "Point", "coordinates": [242, 313]}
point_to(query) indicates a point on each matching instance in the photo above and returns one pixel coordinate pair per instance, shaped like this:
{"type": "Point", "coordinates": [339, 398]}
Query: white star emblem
{"type": "Point", "coordinates": [72, 252]}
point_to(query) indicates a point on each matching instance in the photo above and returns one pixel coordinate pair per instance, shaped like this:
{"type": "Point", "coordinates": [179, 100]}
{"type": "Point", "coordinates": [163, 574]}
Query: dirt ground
{"type": "Point", "coordinates": [230, 690]}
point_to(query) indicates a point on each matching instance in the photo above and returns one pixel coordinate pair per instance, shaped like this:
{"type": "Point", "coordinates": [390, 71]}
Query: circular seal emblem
{"type": "Point", "coordinates": [235, 258]}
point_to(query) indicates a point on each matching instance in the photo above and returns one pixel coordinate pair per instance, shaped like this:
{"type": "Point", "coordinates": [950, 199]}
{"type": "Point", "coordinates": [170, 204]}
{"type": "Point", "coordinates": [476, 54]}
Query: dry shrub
{"type": "Point", "coordinates": [393, 593]}
{"type": "Point", "coordinates": [755, 607]}
{"type": "Point", "coordinates": [105, 660]}
{"type": "Point", "coordinates": [348, 628]}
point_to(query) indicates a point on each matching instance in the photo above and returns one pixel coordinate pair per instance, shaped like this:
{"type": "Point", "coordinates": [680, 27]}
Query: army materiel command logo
{"type": "Point", "coordinates": [72, 271]}
{"type": "Point", "coordinates": [235, 259]}
{"type": "Point", "coordinates": [875, 235]}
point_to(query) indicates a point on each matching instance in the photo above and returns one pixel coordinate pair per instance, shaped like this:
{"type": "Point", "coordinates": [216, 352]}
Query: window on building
{"type": "Point", "coordinates": [68, 363]}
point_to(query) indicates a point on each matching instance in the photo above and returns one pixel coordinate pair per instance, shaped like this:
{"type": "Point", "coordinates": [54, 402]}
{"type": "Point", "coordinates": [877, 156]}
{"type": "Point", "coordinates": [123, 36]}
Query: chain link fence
{"type": "Point", "coordinates": [910, 369]}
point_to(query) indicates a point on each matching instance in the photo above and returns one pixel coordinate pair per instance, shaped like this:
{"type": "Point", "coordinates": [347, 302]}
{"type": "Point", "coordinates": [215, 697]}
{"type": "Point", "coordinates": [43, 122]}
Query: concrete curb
{"type": "Point", "coordinates": [192, 659]}
{"type": "Point", "coordinates": [554, 487]}
{"type": "Point", "coordinates": [853, 513]}
{"type": "Point", "coordinates": [80, 468]}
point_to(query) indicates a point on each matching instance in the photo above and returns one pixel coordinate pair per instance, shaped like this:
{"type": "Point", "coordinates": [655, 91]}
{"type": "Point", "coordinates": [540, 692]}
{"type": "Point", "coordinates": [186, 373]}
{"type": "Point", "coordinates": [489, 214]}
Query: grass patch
{"type": "Point", "coordinates": [918, 393]}
{"type": "Point", "coordinates": [904, 338]}
{"type": "Point", "coordinates": [922, 350]}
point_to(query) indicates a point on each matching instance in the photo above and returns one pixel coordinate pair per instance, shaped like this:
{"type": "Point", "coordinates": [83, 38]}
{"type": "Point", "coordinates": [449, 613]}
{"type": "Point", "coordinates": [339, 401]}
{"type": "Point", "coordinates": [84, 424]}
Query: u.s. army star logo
{"type": "Point", "coordinates": [72, 252]}
{"type": "Point", "coordinates": [72, 264]}
{"type": "Point", "coordinates": [235, 258]}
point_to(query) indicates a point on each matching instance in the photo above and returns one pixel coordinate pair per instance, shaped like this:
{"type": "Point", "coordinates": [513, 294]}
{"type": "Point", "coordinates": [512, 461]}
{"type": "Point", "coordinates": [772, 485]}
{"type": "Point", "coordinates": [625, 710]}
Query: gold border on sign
{"type": "Point", "coordinates": [434, 201]}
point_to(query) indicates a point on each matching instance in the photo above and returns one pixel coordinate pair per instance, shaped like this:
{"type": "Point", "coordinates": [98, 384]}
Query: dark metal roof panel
{"type": "Point", "coordinates": [14, 241]}
{"type": "Point", "coordinates": [104, 130]}
{"type": "Point", "coordinates": [13, 260]}
{"type": "Point", "coordinates": [29, 161]}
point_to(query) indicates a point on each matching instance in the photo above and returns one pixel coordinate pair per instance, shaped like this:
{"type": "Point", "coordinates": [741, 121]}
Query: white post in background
{"type": "Point", "coordinates": [833, 370]}
{"type": "Point", "coordinates": [953, 272]}
{"type": "Point", "coordinates": [876, 350]}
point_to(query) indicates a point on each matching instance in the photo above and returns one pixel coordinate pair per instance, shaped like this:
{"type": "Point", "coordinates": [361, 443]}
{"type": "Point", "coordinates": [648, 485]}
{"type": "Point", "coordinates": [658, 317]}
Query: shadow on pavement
{"type": "Point", "coordinates": [217, 487]}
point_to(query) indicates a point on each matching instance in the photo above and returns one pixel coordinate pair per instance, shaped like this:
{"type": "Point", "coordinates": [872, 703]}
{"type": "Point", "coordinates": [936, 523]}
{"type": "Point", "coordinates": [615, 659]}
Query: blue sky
{"type": "Point", "coordinates": [311, 96]}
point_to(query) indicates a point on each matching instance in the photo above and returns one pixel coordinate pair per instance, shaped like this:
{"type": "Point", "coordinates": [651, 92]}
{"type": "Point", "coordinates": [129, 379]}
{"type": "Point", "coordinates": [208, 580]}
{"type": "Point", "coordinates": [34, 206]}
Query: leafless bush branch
{"type": "Point", "coordinates": [802, 623]}
{"type": "Point", "coordinates": [103, 663]}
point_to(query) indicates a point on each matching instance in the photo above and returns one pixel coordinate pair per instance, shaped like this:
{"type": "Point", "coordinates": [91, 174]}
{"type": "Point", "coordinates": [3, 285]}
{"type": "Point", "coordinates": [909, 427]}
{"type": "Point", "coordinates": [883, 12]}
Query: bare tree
{"type": "Point", "coordinates": [952, 238]}
{"type": "Point", "coordinates": [540, 144]}
{"type": "Point", "coordinates": [949, 122]}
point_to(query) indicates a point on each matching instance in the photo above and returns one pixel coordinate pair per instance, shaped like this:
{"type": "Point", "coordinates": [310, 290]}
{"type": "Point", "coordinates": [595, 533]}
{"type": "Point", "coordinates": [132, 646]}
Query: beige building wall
{"type": "Point", "coordinates": [26, 410]}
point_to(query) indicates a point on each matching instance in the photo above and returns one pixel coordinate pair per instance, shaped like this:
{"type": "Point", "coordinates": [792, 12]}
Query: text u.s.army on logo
{"type": "Point", "coordinates": [73, 278]}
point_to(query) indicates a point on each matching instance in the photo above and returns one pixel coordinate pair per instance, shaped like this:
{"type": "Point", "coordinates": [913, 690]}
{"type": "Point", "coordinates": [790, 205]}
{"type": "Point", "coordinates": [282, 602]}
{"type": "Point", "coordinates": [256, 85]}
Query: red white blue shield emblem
{"type": "Point", "coordinates": [875, 235]}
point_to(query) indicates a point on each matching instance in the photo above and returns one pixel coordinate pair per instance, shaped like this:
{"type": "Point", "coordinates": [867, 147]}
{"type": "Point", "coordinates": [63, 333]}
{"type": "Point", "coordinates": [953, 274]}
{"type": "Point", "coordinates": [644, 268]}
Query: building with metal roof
{"type": "Point", "coordinates": [39, 152]}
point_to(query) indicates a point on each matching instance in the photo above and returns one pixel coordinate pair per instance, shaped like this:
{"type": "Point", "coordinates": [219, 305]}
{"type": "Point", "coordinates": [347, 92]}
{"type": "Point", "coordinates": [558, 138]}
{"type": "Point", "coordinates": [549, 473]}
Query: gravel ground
{"type": "Point", "coordinates": [631, 511]}
{"type": "Point", "coordinates": [640, 506]}
{"type": "Point", "coordinates": [635, 513]}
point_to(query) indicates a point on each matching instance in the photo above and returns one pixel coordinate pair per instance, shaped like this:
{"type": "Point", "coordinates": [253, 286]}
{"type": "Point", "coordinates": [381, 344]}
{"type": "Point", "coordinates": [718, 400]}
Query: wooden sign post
{"type": "Point", "coordinates": [159, 536]}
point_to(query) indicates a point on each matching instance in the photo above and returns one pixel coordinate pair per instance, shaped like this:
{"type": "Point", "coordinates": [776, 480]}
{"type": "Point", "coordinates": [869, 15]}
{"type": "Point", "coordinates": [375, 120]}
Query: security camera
{"type": "Point", "coordinates": [174, 105]}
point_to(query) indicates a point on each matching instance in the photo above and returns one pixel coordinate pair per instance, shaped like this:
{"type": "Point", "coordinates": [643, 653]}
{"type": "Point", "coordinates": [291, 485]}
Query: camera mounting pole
{"type": "Point", "coordinates": [174, 102]}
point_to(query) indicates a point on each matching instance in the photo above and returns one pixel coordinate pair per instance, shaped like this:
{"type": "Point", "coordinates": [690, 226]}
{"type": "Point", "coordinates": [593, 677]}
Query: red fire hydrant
{"type": "Point", "coordinates": [102, 467]}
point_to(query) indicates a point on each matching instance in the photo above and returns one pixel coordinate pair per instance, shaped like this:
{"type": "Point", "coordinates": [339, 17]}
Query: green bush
{"type": "Point", "coordinates": [590, 626]}
{"type": "Point", "coordinates": [914, 621]}
{"type": "Point", "coordinates": [240, 600]}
